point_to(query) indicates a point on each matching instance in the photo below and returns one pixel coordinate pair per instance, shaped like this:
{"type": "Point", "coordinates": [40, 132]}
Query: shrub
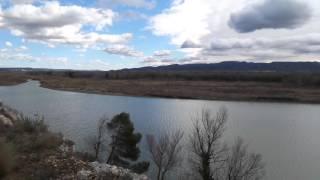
{"type": "Point", "coordinates": [85, 156]}
{"type": "Point", "coordinates": [31, 134]}
{"type": "Point", "coordinates": [29, 125]}
{"type": "Point", "coordinates": [46, 141]}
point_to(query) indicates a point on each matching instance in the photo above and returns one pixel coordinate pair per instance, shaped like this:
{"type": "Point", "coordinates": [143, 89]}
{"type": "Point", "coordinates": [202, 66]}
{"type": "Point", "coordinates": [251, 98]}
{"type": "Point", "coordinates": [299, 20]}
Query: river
{"type": "Point", "coordinates": [286, 134]}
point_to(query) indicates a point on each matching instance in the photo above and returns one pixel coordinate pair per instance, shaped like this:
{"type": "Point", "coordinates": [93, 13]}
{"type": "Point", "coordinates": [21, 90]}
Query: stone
{"type": "Point", "coordinates": [106, 171]}
{"type": "Point", "coordinates": [7, 116]}
{"type": "Point", "coordinates": [84, 175]}
{"type": "Point", "coordinates": [4, 121]}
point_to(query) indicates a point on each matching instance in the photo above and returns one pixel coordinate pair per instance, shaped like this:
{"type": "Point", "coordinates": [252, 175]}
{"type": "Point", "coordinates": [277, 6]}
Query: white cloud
{"type": "Point", "coordinates": [149, 4]}
{"type": "Point", "coordinates": [182, 21]}
{"type": "Point", "coordinates": [196, 21]}
{"type": "Point", "coordinates": [8, 44]}
{"type": "Point", "coordinates": [17, 56]}
{"type": "Point", "coordinates": [23, 48]}
{"type": "Point", "coordinates": [294, 48]}
{"type": "Point", "coordinates": [154, 61]}
{"type": "Point", "coordinates": [158, 58]}
{"type": "Point", "coordinates": [202, 27]}
{"type": "Point", "coordinates": [162, 53]}
{"type": "Point", "coordinates": [123, 50]}
{"type": "Point", "coordinates": [52, 23]}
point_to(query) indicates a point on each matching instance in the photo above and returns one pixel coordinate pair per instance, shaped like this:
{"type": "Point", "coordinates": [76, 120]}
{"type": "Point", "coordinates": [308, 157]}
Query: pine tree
{"type": "Point", "coordinates": [124, 142]}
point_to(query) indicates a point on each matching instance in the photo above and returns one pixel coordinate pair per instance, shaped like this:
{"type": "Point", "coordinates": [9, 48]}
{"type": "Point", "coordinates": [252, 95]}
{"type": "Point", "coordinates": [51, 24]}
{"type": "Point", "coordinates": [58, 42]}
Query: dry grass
{"type": "Point", "coordinates": [210, 90]}
{"type": "Point", "coordinates": [7, 79]}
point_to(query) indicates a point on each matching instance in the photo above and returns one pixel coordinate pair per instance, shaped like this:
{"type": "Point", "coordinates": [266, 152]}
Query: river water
{"type": "Point", "coordinates": [287, 135]}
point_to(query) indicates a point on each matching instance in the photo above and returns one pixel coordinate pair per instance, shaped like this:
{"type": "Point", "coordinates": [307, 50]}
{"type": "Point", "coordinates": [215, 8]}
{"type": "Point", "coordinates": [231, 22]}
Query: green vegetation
{"type": "Point", "coordinates": [123, 143]}
{"type": "Point", "coordinates": [25, 147]}
{"type": "Point", "coordinates": [29, 150]}
{"type": "Point", "coordinates": [208, 157]}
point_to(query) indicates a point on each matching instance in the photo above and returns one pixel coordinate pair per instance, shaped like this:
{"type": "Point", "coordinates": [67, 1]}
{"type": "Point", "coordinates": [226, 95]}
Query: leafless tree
{"type": "Point", "coordinates": [242, 165]}
{"type": "Point", "coordinates": [97, 141]}
{"type": "Point", "coordinates": [207, 151]}
{"type": "Point", "coordinates": [165, 152]}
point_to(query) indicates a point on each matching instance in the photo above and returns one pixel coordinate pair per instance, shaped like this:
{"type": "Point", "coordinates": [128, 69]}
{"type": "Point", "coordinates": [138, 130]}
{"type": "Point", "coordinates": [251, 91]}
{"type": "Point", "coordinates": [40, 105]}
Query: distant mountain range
{"type": "Point", "coordinates": [222, 66]}
{"type": "Point", "coordinates": [239, 66]}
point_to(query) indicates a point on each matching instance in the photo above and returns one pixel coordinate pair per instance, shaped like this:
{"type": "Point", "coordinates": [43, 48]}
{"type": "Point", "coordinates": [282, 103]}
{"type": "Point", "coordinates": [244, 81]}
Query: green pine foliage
{"type": "Point", "coordinates": [124, 142]}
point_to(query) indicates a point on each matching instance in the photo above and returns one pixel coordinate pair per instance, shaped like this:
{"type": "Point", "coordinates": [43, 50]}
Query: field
{"type": "Point", "coordinates": [221, 86]}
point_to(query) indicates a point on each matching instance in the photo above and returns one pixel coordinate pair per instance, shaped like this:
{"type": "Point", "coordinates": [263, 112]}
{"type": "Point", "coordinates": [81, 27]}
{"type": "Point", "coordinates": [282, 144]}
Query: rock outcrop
{"type": "Point", "coordinates": [7, 116]}
{"type": "Point", "coordinates": [106, 171]}
{"type": "Point", "coordinates": [63, 162]}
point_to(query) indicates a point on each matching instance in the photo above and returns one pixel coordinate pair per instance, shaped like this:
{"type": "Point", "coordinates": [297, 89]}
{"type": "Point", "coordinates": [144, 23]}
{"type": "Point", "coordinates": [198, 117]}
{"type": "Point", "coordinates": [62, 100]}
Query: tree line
{"type": "Point", "coordinates": [203, 152]}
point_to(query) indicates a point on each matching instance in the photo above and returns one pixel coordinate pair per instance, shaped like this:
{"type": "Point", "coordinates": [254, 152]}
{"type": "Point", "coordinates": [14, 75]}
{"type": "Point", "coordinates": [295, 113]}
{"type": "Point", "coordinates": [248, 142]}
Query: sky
{"type": "Point", "coordinates": [116, 34]}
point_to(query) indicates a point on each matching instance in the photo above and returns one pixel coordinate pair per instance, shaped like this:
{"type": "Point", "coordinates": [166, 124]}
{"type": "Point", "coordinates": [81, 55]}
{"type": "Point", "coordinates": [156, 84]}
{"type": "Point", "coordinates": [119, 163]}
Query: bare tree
{"type": "Point", "coordinates": [97, 141]}
{"type": "Point", "coordinates": [242, 165]}
{"type": "Point", "coordinates": [208, 154]}
{"type": "Point", "coordinates": [165, 152]}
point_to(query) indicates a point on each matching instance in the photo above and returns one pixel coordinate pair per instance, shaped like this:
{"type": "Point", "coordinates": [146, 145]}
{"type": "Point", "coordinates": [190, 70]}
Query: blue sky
{"type": "Point", "coordinates": [115, 34]}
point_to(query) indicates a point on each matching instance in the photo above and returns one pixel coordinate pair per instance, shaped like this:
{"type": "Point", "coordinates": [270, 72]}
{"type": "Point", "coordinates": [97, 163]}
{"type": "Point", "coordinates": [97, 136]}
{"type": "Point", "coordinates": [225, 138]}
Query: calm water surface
{"type": "Point", "coordinates": [287, 135]}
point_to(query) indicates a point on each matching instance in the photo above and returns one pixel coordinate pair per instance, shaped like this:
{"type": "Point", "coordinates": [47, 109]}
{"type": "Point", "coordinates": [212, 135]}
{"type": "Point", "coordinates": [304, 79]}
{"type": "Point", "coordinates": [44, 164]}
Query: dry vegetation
{"type": "Point", "coordinates": [223, 87]}
{"type": "Point", "coordinates": [7, 78]}
{"type": "Point", "coordinates": [29, 151]}
{"type": "Point", "coordinates": [211, 90]}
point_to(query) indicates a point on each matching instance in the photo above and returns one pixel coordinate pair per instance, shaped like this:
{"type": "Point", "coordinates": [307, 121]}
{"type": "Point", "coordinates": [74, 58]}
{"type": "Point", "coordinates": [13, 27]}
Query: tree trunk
{"type": "Point", "coordinates": [159, 174]}
{"type": "Point", "coordinates": [110, 156]}
{"type": "Point", "coordinates": [163, 175]}
{"type": "Point", "coordinates": [97, 149]}
{"type": "Point", "coordinates": [205, 168]}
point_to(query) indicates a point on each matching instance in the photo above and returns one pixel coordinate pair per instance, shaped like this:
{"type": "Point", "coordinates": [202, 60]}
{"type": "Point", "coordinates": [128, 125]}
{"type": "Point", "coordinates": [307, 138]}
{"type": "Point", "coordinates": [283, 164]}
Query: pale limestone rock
{"type": "Point", "coordinates": [106, 171]}
{"type": "Point", "coordinates": [84, 175]}
{"type": "Point", "coordinates": [5, 121]}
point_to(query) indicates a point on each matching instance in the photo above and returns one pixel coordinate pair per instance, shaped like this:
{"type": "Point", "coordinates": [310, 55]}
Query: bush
{"type": "Point", "coordinates": [6, 158]}
{"type": "Point", "coordinates": [31, 126]}
{"type": "Point", "coordinates": [31, 134]}
{"type": "Point", "coordinates": [46, 141]}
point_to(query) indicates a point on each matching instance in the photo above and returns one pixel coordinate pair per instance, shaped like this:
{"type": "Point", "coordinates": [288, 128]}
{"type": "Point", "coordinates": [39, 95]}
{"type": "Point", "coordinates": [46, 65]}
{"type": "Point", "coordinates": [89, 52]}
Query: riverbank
{"type": "Point", "coordinates": [205, 90]}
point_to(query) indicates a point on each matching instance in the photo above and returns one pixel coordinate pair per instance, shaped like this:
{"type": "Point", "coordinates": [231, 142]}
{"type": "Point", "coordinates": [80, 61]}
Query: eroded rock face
{"type": "Point", "coordinates": [7, 116]}
{"type": "Point", "coordinates": [106, 171]}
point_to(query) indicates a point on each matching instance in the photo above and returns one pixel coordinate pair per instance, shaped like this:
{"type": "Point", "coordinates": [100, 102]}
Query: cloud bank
{"type": "Point", "coordinates": [52, 23]}
{"type": "Point", "coordinates": [295, 48]}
